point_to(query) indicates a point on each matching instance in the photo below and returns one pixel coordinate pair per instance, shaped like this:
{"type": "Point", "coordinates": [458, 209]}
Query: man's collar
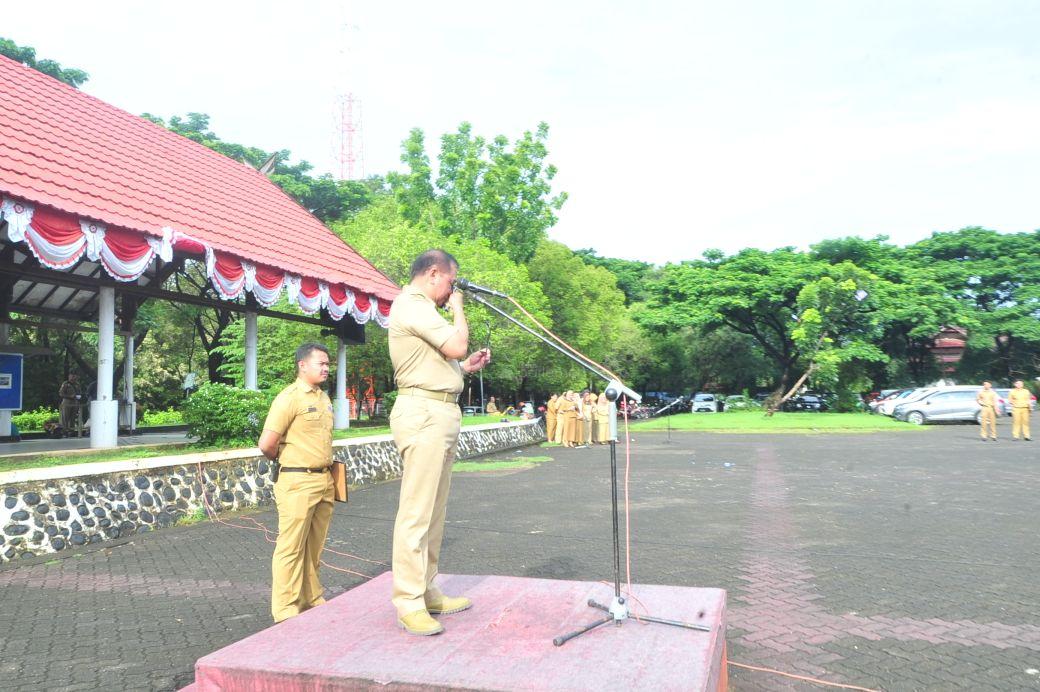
{"type": "Point", "coordinates": [305, 386]}
{"type": "Point", "coordinates": [414, 290]}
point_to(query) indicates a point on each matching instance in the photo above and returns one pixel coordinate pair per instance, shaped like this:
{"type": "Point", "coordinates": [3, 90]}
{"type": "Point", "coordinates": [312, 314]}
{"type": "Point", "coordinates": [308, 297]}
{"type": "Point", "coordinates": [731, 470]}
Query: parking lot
{"type": "Point", "coordinates": [897, 561]}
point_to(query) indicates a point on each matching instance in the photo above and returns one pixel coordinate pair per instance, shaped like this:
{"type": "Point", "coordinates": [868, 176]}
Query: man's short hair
{"type": "Point", "coordinates": [433, 258]}
{"type": "Point", "coordinates": [307, 348]}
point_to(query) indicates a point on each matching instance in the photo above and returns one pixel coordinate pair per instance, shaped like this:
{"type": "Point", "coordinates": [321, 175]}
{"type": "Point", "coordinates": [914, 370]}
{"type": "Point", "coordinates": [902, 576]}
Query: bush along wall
{"type": "Point", "coordinates": [58, 513]}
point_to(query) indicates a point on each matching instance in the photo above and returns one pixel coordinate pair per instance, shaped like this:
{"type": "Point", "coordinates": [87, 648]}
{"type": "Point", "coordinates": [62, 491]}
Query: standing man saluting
{"type": "Point", "coordinates": [297, 436]}
{"type": "Point", "coordinates": [426, 351]}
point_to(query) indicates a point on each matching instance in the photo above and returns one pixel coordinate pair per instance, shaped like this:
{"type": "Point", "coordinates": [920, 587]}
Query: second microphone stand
{"type": "Point", "coordinates": [617, 611]}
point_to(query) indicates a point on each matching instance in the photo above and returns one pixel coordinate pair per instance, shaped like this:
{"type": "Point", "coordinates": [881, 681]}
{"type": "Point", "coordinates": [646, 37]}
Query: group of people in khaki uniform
{"type": "Point", "coordinates": [1019, 401]}
{"type": "Point", "coordinates": [429, 358]}
{"type": "Point", "coordinates": [574, 420]}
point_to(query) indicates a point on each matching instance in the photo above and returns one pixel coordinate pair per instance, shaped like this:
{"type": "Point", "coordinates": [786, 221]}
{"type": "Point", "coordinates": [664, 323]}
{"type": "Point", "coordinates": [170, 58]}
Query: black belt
{"type": "Point", "coordinates": [303, 469]}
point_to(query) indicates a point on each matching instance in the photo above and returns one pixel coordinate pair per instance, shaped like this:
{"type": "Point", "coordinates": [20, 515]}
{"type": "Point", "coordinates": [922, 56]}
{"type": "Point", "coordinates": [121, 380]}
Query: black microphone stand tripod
{"type": "Point", "coordinates": [617, 611]}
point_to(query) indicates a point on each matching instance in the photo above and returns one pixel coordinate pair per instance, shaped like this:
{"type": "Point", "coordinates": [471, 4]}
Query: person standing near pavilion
{"type": "Point", "coordinates": [297, 436]}
{"type": "Point", "coordinates": [71, 398]}
{"type": "Point", "coordinates": [602, 419]}
{"type": "Point", "coordinates": [427, 352]}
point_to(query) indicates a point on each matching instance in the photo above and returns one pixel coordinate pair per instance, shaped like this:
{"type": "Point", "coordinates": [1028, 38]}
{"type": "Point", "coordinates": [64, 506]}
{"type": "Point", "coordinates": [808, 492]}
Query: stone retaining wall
{"type": "Point", "coordinates": [47, 510]}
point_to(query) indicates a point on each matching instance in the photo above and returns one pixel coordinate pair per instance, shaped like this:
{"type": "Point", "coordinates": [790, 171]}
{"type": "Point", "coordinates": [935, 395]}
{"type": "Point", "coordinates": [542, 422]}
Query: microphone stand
{"type": "Point", "coordinates": [617, 611]}
{"type": "Point", "coordinates": [668, 420]}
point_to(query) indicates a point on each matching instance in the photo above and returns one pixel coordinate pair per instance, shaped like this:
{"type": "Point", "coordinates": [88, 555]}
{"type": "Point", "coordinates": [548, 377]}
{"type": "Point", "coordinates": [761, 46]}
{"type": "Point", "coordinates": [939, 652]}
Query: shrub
{"type": "Point", "coordinates": [170, 416]}
{"type": "Point", "coordinates": [223, 415]}
{"type": "Point", "coordinates": [33, 420]}
{"type": "Point", "coordinates": [388, 402]}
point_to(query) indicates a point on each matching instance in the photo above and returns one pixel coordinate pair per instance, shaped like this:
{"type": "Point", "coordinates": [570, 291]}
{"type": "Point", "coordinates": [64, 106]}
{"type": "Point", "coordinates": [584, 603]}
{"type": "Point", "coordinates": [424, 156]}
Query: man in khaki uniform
{"type": "Point", "coordinates": [70, 403]}
{"type": "Point", "coordinates": [298, 436]}
{"type": "Point", "coordinates": [426, 350]}
{"type": "Point", "coordinates": [987, 401]}
{"type": "Point", "coordinates": [1019, 401]}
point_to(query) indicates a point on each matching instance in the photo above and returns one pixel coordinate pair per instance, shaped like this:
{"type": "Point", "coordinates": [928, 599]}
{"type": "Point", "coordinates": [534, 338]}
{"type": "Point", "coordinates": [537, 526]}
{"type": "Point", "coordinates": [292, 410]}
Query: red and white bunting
{"type": "Point", "coordinates": [59, 240]}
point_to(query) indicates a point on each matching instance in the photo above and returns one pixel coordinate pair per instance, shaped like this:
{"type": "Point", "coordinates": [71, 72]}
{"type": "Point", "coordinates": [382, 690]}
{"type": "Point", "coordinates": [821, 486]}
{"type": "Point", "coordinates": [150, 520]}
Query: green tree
{"type": "Point", "coordinates": [996, 279]}
{"type": "Point", "coordinates": [492, 190]}
{"type": "Point", "coordinates": [27, 56]}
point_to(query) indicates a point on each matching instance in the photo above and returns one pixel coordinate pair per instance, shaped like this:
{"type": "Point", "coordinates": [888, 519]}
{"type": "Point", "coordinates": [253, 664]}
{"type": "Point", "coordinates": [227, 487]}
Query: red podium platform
{"type": "Point", "coordinates": [504, 642]}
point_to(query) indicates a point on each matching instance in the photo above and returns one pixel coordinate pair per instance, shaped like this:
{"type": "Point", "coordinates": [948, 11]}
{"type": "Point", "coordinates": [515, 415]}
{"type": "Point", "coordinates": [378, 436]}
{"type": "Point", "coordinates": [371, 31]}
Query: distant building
{"type": "Point", "coordinates": [948, 348]}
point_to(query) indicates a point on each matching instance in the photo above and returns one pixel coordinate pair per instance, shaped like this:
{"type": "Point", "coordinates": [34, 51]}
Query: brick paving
{"type": "Point", "coordinates": [888, 561]}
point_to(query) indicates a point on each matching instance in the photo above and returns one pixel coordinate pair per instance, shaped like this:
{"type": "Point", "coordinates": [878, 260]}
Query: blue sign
{"type": "Point", "coordinates": [10, 381]}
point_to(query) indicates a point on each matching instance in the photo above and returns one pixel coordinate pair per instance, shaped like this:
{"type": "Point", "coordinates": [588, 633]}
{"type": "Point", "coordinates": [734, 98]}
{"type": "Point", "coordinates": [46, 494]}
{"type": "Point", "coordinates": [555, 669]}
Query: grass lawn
{"type": "Point", "coordinates": [385, 429]}
{"type": "Point", "coordinates": [48, 459]}
{"type": "Point", "coordinates": [758, 422]}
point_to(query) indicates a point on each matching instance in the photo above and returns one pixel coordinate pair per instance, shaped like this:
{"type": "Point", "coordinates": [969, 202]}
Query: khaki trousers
{"type": "Point", "coordinates": [587, 429]}
{"type": "Point", "coordinates": [550, 427]}
{"type": "Point", "coordinates": [304, 512]}
{"type": "Point", "coordinates": [561, 427]}
{"type": "Point", "coordinates": [987, 420]}
{"type": "Point", "coordinates": [426, 433]}
{"type": "Point", "coordinates": [1020, 422]}
{"type": "Point", "coordinates": [67, 416]}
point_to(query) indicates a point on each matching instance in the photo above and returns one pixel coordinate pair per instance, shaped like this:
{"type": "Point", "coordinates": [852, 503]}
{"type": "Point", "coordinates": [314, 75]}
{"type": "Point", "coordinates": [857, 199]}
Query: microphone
{"type": "Point", "coordinates": [467, 285]}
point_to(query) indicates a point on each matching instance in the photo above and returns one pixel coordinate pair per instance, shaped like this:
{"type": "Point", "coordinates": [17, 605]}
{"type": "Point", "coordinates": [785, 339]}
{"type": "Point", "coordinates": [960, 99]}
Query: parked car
{"type": "Point", "coordinates": [876, 404]}
{"type": "Point", "coordinates": [943, 404]}
{"type": "Point", "coordinates": [739, 402]}
{"type": "Point", "coordinates": [805, 402]}
{"type": "Point", "coordinates": [703, 402]}
{"type": "Point", "coordinates": [907, 395]}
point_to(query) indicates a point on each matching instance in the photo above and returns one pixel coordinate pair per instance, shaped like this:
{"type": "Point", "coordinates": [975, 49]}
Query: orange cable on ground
{"type": "Point", "coordinates": [805, 678]}
{"type": "Point", "coordinates": [212, 514]}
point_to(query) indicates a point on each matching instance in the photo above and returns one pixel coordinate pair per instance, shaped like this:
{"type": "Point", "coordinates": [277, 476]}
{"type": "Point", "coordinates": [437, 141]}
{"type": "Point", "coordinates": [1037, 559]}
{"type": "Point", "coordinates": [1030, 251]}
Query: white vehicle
{"type": "Point", "coordinates": [703, 402]}
{"type": "Point", "coordinates": [889, 405]}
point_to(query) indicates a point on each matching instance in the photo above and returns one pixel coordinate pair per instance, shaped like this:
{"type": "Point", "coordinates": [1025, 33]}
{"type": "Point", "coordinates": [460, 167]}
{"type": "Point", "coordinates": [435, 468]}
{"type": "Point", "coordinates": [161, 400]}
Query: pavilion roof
{"type": "Point", "coordinates": [86, 162]}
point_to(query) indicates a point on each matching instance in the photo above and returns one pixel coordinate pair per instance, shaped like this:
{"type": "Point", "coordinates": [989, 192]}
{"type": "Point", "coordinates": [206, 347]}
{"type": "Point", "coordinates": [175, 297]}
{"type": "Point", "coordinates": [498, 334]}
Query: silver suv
{"type": "Point", "coordinates": [943, 404]}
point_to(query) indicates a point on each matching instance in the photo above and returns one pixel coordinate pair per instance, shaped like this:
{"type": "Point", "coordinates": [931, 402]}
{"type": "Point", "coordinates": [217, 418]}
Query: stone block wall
{"type": "Point", "coordinates": [47, 510]}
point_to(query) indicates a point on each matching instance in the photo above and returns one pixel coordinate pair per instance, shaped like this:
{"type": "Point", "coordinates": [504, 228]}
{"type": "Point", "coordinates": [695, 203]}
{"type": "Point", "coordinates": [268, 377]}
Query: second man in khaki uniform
{"type": "Point", "coordinates": [298, 436]}
{"type": "Point", "coordinates": [426, 351]}
{"type": "Point", "coordinates": [1019, 400]}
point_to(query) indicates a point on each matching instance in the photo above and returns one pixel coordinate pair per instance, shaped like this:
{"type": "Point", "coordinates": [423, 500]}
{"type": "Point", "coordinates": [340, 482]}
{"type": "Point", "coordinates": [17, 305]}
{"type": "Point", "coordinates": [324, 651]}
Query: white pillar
{"type": "Point", "coordinates": [250, 374]}
{"type": "Point", "coordinates": [104, 411]}
{"type": "Point", "coordinates": [5, 416]}
{"type": "Point", "coordinates": [341, 420]}
{"type": "Point", "coordinates": [129, 412]}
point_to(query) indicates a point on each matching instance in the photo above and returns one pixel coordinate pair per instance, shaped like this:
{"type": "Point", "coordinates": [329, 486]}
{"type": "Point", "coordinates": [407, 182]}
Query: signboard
{"type": "Point", "coordinates": [10, 381]}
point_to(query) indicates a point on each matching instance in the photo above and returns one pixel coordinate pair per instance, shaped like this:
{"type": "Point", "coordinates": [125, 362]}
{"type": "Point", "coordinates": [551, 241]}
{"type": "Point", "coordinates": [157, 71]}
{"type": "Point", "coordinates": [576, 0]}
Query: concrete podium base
{"type": "Point", "coordinates": [504, 642]}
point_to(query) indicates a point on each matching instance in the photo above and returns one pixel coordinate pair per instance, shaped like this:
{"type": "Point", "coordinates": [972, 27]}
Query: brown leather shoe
{"type": "Point", "coordinates": [420, 623]}
{"type": "Point", "coordinates": [448, 604]}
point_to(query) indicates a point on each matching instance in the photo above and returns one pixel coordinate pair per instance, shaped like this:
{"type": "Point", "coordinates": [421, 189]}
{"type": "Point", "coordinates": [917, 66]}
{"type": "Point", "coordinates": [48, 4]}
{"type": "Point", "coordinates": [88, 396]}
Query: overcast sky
{"type": "Point", "coordinates": [685, 126]}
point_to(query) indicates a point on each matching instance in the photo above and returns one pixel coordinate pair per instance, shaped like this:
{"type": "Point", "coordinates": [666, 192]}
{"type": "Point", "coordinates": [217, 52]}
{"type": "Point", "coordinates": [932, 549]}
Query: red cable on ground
{"type": "Point", "coordinates": [805, 678]}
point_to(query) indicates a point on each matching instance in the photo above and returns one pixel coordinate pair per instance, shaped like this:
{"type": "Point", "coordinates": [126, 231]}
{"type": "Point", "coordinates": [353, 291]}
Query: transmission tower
{"type": "Point", "coordinates": [348, 146]}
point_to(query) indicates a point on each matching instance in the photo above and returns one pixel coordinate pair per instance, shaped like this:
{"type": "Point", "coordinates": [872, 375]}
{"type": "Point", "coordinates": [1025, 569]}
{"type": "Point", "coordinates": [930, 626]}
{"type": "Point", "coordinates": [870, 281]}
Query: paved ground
{"type": "Point", "coordinates": [51, 445]}
{"type": "Point", "coordinates": [889, 561]}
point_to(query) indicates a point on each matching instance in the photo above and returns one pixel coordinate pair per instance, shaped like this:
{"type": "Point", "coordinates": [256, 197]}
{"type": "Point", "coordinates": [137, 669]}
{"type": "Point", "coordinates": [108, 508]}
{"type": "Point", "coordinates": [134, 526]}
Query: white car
{"type": "Point", "coordinates": [703, 403]}
{"type": "Point", "coordinates": [888, 406]}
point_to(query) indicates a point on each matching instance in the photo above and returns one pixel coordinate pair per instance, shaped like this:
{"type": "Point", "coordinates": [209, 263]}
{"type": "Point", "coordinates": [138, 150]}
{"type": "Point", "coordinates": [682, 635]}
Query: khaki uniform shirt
{"type": "Point", "coordinates": [987, 398]}
{"type": "Point", "coordinates": [417, 332]}
{"type": "Point", "coordinates": [1019, 398]}
{"type": "Point", "coordinates": [302, 415]}
{"type": "Point", "coordinates": [68, 392]}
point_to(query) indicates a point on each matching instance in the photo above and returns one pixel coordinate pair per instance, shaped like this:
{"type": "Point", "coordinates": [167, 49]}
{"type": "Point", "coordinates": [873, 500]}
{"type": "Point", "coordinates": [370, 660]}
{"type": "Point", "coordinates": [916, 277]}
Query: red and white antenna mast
{"type": "Point", "coordinates": [349, 148]}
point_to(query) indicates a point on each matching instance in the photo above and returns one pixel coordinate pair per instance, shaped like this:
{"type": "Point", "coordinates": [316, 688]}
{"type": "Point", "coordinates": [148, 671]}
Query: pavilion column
{"type": "Point", "coordinates": [130, 407]}
{"type": "Point", "coordinates": [250, 374]}
{"type": "Point", "coordinates": [104, 411]}
{"type": "Point", "coordinates": [5, 416]}
{"type": "Point", "coordinates": [341, 420]}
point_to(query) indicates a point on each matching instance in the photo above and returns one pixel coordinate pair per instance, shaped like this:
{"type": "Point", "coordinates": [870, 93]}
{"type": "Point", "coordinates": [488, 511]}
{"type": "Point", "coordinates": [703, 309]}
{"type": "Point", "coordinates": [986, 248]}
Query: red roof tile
{"type": "Point", "coordinates": [66, 149]}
